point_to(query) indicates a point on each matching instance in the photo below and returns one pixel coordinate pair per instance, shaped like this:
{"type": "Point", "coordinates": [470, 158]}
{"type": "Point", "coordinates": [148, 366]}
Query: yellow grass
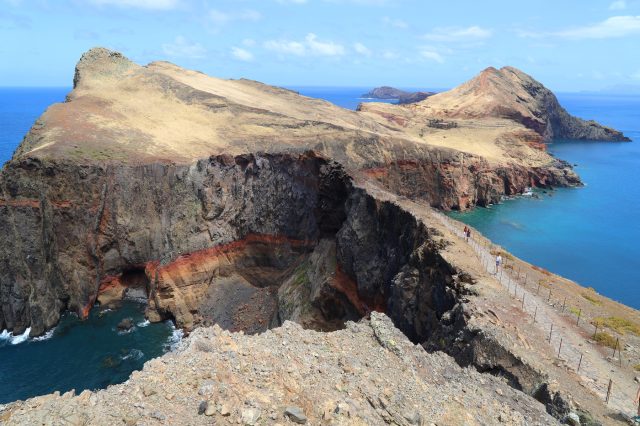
{"type": "Point", "coordinates": [620, 325]}
{"type": "Point", "coordinates": [593, 299]}
{"type": "Point", "coordinates": [605, 339]}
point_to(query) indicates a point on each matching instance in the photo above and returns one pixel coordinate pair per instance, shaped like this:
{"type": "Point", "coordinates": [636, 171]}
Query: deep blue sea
{"type": "Point", "coordinates": [588, 234]}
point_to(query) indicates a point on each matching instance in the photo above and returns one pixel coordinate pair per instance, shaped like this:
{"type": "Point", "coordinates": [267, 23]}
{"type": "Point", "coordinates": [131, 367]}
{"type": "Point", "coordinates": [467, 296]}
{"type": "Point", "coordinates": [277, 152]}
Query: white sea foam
{"type": "Point", "coordinates": [45, 336]}
{"type": "Point", "coordinates": [133, 354]}
{"type": "Point", "coordinates": [16, 340]}
{"type": "Point", "coordinates": [5, 335]}
{"type": "Point", "coordinates": [143, 323]}
{"type": "Point", "coordinates": [174, 340]}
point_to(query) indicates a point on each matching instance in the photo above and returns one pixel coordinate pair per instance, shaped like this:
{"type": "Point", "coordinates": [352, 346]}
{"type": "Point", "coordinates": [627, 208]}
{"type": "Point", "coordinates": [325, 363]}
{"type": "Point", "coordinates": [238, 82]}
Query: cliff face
{"type": "Point", "coordinates": [108, 192]}
{"type": "Point", "coordinates": [209, 243]}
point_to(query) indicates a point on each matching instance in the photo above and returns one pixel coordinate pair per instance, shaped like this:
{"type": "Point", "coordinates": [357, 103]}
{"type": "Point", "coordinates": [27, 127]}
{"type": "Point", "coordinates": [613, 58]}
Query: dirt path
{"type": "Point", "coordinates": [564, 333]}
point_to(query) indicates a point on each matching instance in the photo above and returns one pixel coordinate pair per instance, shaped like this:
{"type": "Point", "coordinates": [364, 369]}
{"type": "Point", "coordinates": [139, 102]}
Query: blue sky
{"type": "Point", "coordinates": [569, 45]}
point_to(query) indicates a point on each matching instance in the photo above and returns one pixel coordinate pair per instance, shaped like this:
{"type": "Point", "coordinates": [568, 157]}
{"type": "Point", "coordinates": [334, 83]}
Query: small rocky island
{"type": "Point", "coordinates": [402, 96]}
{"type": "Point", "coordinates": [232, 206]}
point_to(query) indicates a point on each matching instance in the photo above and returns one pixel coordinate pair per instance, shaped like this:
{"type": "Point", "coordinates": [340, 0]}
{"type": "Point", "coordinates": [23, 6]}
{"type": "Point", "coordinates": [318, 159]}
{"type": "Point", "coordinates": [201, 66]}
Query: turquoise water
{"type": "Point", "coordinates": [588, 234]}
{"type": "Point", "coordinates": [90, 354]}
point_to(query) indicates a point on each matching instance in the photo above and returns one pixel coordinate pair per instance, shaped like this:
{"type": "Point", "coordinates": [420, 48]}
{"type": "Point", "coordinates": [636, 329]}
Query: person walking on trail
{"type": "Point", "coordinates": [468, 234]}
{"type": "Point", "coordinates": [498, 262]}
{"type": "Point", "coordinates": [465, 230]}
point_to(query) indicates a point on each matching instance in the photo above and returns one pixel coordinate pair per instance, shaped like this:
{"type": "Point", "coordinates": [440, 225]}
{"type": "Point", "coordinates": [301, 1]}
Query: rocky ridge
{"type": "Point", "coordinates": [293, 376]}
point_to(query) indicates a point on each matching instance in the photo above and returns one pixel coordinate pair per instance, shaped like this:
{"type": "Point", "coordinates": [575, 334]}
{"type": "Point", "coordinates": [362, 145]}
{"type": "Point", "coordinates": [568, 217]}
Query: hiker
{"type": "Point", "coordinates": [465, 230]}
{"type": "Point", "coordinates": [468, 234]}
{"type": "Point", "coordinates": [498, 262]}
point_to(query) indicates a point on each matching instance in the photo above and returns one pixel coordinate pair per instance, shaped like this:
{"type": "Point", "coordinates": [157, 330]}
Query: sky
{"type": "Point", "coordinates": [568, 45]}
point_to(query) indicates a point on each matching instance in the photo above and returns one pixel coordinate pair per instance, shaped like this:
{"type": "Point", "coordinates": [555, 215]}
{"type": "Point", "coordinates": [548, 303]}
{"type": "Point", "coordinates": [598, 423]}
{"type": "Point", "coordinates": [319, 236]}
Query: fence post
{"type": "Point", "coordinates": [523, 295]}
{"type": "Point", "coordinates": [596, 331]}
{"type": "Point", "coordinates": [579, 362]}
{"type": "Point", "coordinates": [550, 332]}
{"type": "Point", "coordinates": [608, 391]}
{"type": "Point", "coordinates": [579, 313]}
{"type": "Point", "coordinates": [615, 347]}
{"type": "Point", "coordinates": [564, 303]}
{"type": "Point", "coordinates": [535, 314]}
{"type": "Point", "coordinates": [549, 298]}
{"type": "Point", "coordinates": [559, 348]}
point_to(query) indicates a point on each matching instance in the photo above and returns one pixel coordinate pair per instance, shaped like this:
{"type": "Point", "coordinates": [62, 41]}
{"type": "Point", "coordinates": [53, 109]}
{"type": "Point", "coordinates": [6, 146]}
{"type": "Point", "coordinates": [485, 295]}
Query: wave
{"type": "Point", "coordinates": [15, 340]}
{"type": "Point", "coordinates": [46, 336]}
{"type": "Point", "coordinates": [174, 340]}
{"type": "Point", "coordinates": [133, 354]}
{"type": "Point", "coordinates": [143, 323]}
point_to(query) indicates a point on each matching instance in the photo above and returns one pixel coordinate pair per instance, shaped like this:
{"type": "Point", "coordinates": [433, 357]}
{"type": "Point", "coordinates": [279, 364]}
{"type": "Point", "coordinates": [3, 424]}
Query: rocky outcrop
{"type": "Point", "coordinates": [368, 373]}
{"type": "Point", "coordinates": [511, 94]}
{"type": "Point", "coordinates": [403, 97]}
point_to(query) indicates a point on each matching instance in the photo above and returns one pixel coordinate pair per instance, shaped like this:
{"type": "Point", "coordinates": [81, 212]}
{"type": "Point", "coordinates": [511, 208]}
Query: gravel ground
{"type": "Point", "coordinates": [367, 374]}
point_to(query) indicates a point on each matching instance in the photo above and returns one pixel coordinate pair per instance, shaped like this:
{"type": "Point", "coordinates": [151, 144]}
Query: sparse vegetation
{"type": "Point", "coordinates": [605, 339]}
{"type": "Point", "coordinates": [594, 300]}
{"type": "Point", "coordinates": [620, 325]}
{"type": "Point", "coordinates": [575, 311]}
{"type": "Point", "coordinates": [544, 283]}
{"type": "Point", "coordinates": [636, 367]}
{"type": "Point", "coordinates": [539, 269]}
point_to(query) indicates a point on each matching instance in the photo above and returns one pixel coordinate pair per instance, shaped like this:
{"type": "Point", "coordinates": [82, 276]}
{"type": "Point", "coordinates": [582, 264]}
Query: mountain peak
{"type": "Point", "coordinates": [100, 63]}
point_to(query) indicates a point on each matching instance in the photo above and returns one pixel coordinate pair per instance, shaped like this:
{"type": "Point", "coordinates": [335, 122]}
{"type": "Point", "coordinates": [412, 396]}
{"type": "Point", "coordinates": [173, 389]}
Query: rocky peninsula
{"type": "Point", "coordinates": [402, 96]}
{"type": "Point", "coordinates": [235, 203]}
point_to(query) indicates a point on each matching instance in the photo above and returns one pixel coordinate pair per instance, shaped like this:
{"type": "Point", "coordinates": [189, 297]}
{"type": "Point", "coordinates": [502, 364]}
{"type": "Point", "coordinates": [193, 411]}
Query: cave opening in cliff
{"type": "Point", "coordinates": [135, 282]}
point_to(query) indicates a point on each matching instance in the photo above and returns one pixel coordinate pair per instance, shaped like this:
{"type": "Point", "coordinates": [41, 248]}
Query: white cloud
{"type": "Point", "coordinates": [328, 48]}
{"type": "Point", "coordinates": [432, 56]}
{"type": "Point", "coordinates": [458, 34]}
{"type": "Point", "coordinates": [219, 18]}
{"type": "Point", "coordinates": [361, 49]}
{"type": "Point", "coordinates": [614, 27]}
{"type": "Point", "coordinates": [285, 47]}
{"type": "Point", "coordinates": [139, 4]}
{"type": "Point", "coordinates": [181, 47]}
{"type": "Point", "coordinates": [309, 46]}
{"type": "Point", "coordinates": [242, 54]}
{"type": "Point", "coordinates": [395, 23]}
{"type": "Point", "coordinates": [249, 42]}
{"type": "Point", "coordinates": [618, 5]}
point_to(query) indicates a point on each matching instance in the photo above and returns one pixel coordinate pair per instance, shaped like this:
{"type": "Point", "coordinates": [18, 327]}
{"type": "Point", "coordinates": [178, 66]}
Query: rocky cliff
{"type": "Point", "coordinates": [403, 97]}
{"type": "Point", "coordinates": [511, 94]}
{"type": "Point", "coordinates": [108, 191]}
{"type": "Point", "coordinates": [234, 203]}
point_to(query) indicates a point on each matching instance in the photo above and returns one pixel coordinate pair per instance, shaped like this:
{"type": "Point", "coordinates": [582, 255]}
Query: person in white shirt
{"type": "Point", "coordinates": [498, 262]}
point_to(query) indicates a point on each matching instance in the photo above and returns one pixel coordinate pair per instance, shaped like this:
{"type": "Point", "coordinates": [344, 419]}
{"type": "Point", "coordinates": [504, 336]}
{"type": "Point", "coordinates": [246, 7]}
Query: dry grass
{"type": "Point", "coordinates": [575, 311]}
{"type": "Point", "coordinates": [620, 325]}
{"type": "Point", "coordinates": [539, 269]}
{"type": "Point", "coordinates": [605, 339]}
{"type": "Point", "coordinates": [595, 300]}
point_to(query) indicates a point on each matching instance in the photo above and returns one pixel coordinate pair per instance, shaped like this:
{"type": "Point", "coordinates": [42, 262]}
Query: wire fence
{"type": "Point", "coordinates": [536, 299]}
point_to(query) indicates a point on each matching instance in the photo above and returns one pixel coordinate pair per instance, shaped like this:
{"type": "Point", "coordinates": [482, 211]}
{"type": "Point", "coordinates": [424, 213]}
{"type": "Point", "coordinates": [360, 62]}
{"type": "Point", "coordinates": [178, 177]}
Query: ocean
{"type": "Point", "coordinates": [586, 234]}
